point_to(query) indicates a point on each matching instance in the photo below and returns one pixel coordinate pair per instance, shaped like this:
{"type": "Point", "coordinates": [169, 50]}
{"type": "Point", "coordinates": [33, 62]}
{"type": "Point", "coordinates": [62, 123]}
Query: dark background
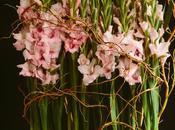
{"type": "Point", "coordinates": [11, 100]}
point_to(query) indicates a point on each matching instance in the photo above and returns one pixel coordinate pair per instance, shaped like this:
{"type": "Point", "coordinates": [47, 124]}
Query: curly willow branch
{"type": "Point", "coordinates": [27, 103]}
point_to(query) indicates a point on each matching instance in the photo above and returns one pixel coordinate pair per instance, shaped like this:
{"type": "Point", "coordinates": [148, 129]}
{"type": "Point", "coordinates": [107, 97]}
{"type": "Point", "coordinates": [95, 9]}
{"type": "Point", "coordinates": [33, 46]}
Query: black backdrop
{"type": "Point", "coordinates": [11, 100]}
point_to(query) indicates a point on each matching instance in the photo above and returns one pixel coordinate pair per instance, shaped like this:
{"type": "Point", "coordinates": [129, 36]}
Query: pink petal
{"type": "Point", "coordinates": [19, 45]}
{"type": "Point", "coordinates": [144, 25]}
{"type": "Point", "coordinates": [153, 34]}
{"type": "Point", "coordinates": [25, 3]}
{"type": "Point", "coordinates": [78, 2]}
{"type": "Point", "coordinates": [82, 60]}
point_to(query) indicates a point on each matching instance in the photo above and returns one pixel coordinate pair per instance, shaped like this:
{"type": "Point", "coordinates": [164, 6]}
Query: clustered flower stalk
{"type": "Point", "coordinates": [93, 64]}
{"type": "Point", "coordinates": [151, 99]}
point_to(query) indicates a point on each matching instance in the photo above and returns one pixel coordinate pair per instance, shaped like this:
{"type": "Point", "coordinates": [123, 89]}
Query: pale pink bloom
{"type": "Point", "coordinates": [19, 44]}
{"type": "Point", "coordinates": [129, 71]}
{"type": "Point", "coordinates": [85, 65]}
{"type": "Point", "coordinates": [36, 33]}
{"type": "Point", "coordinates": [74, 40]}
{"type": "Point", "coordinates": [64, 2]}
{"type": "Point", "coordinates": [132, 47]}
{"type": "Point", "coordinates": [18, 36]}
{"type": "Point", "coordinates": [111, 45]}
{"type": "Point", "coordinates": [42, 54]}
{"type": "Point", "coordinates": [89, 70]}
{"type": "Point", "coordinates": [52, 39]}
{"type": "Point", "coordinates": [107, 52]}
{"type": "Point", "coordinates": [78, 2]}
{"type": "Point", "coordinates": [149, 10]}
{"type": "Point", "coordinates": [107, 36]}
{"type": "Point", "coordinates": [72, 45]}
{"type": "Point", "coordinates": [84, 69]}
{"type": "Point", "coordinates": [41, 42]}
{"type": "Point", "coordinates": [57, 9]}
{"type": "Point", "coordinates": [117, 21]}
{"type": "Point", "coordinates": [82, 60]}
{"type": "Point", "coordinates": [28, 69]}
{"type": "Point", "coordinates": [27, 55]}
{"type": "Point", "coordinates": [40, 74]}
{"type": "Point", "coordinates": [29, 35]}
{"type": "Point", "coordinates": [128, 37]}
{"type": "Point", "coordinates": [159, 11]}
{"type": "Point", "coordinates": [108, 68]}
{"type": "Point", "coordinates": [93, 75]}
{"type": "Point", "coordinates": [27, 14]}
{"type": "Point", "coordinates": [25, 3]}
{"type": "Point", "coordinates": [55, 48]}
{"type": "Point", "coordinates": [153, 34]}
{"type": "Point", "coordinates": [160, 49]}
{"type": "Point", "coordinates": [107, 56]}
{"type": "Point", "coordinates": [50, 79]}
{"type": "Point", "coordinates": [112, 41]}
{"type": "Point", "coordinates": [134, 75]}
{"type": "Point", "coordinates": [144, 25]}
{"type": "Point", "coordinates": [161, 32]}
{"type": "Point", "coordinates": [103, 52]}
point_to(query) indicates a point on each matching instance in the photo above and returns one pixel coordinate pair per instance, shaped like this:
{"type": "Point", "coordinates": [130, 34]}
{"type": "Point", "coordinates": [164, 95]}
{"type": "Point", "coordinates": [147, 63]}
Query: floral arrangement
{"type": "Point", "coordinates": [95, 64]}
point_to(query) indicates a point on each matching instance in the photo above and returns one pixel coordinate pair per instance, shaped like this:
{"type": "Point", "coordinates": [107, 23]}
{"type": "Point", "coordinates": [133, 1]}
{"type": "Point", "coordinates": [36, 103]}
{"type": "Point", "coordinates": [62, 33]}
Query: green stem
{"type": "Point", "coordinates": [74, 84]}
{"type": "Point", "coordinates": [113, 105]}
{"type": "Point", "coordinates": [69, 125]}
{"type": "Point", "coordinates": [43, 106]}
{"type": "Point", "coordinates": [133, 112]}
{"type": "Point", "coordinates": [58, 105]}
{"type": "Point", "coordinates": [84, 110]}
{"type": "Point", "coordinates": [154, 94]}
{"type": "Point", "coordinates": [146, 104]}
{"type": "Point", "coordinates": [34, 112]}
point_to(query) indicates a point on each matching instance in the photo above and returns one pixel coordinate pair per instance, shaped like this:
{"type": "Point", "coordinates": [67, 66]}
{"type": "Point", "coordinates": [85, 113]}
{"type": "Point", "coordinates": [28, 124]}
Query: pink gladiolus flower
{"type": "Point", "coordinates": [161, 32]}
{"type": "Point", "coordinates": [107, 56]}
{"type": "Point", "coordinates": [89, 70]}
{"type": "Point", "coordinates": [153, 34]}
{"type": "Point", "coordinates": [82, 60]}
{"type": "Point", "coordinates": [64, 3]}
{"type": "Point", "coordinates": [144, 25]}
{"type": "Point", "coordinates": [108, 37]}
{"type": "Point", "coordinates": [93, 74]}
{"type": "Point", "coordinates": [160, 50]}
{"type": "Point", "coordinates": [28, 69]}
{"type": "Point", "coordinates": [19, 44]}
{"type": "Point", "coordinates": [109, 67]}
{"type": "Point", "coordinates": [129, 71]}
{"type": "Point", "coordinates": [132, 47]}
{"type": "Point", "coordinates": [159, 11]}
{"type": "Point", "coordinates": [57, 9]}
{"type": "Point", "coordinates": [25, 3]}
{"type": "Point", "coordinates": [73, 39]}
{"type": "Point", "coordinates": [50, 79]}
